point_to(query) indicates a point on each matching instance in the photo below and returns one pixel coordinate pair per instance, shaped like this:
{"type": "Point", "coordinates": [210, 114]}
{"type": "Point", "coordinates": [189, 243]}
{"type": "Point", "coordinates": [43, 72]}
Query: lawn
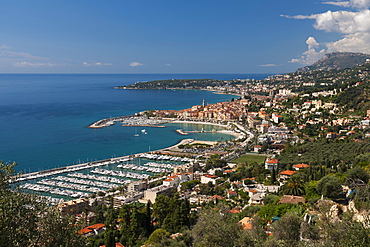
{"type": "Point", "coordinates": [250, 158]}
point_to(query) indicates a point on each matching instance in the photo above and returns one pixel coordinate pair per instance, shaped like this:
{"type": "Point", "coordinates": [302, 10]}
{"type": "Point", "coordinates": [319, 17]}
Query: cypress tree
{"type": "Point", "coordinates": [273, 176]}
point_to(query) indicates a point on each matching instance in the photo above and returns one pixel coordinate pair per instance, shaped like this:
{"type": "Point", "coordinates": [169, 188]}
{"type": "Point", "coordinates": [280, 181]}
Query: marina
{"type": "Point", "coordinates": [85, 179]}
{"type": "Point", "coordinates": [128, 121]}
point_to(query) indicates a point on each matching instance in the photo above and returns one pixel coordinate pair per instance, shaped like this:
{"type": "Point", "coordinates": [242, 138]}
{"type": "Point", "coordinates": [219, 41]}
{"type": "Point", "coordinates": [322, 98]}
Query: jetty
{"type": "Point", "coordinates": [130, 120]}
{"type": "Point", "coordinates": [181, 132]}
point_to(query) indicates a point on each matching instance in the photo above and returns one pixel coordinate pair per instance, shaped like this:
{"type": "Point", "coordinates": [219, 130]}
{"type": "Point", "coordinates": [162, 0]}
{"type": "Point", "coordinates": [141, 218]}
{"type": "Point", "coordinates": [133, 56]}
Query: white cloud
{"type": "Point", "coordinates": [357, 42]}
{"type": "Point", "coordinates": [5, 52]}
{"type": "Point", "coordinates": [299, 17]}
{"type": "Point", "coordinates": [96, 64]}
{"type": "Point", "coordinates": [135, 64]}
{"type": "Point", "coordinates": [311, 55]}
{"type": "Point", "coordinates": [341, 4]}
{"type": "Point", "coordinates": [268, 65]}
{"type": "Point", "coordinates": [28, 64]}
{"type": "Point", "coordinates": [167, 64]}
{"type": "Point", "coordinates": [344, 22]}
{"type": "Point", "coordinates": [357, 4]}
{"type": "Point", "coordinates": [311, 42]}
{"type": "Point", "coordinates": [353, 25]}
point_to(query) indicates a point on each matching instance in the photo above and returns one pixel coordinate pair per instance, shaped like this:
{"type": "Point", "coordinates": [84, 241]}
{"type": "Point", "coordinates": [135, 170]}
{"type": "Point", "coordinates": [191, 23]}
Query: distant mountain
{"type": "Point", "coordinates": [337, 60]}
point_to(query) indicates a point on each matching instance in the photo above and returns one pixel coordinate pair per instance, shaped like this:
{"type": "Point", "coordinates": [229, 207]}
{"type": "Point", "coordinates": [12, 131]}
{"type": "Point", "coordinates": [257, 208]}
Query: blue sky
{"type": "Point", "coordinates": [176, 36]}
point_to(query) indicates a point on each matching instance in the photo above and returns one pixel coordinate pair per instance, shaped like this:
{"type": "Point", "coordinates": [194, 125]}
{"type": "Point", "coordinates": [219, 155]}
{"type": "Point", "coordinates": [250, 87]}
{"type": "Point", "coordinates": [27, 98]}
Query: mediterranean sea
{"type": "Point", "coordinates": [44, 118]}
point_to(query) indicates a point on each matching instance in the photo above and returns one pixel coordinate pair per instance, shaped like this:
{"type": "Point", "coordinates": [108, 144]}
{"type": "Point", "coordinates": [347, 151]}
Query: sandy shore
{"type": "Point", "coordinates": [229, 132]}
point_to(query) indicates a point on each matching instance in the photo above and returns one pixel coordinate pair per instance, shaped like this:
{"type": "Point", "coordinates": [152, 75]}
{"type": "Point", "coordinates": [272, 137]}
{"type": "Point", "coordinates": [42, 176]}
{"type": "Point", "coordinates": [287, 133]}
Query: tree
{"type": "Point", "coordinates": [288, 229]}
{"type": "Point", "coordinates": [161, 208]}
{"type": "Point", "coordinates": [343, 233]}
{"type": "Point", "coordinates": [329, 186]}
{"type": "Point", "coordinates": [110, 226]}
{"type": "Point", "coordinates": [294, 187]}
{"type": "Point", "coordinates": [157, 237]}
{"type": "Point", "coordinates": [273, 176]}
{"type": "Point", "coordinates": [270, 199]}
{"type": "Point", "coordinates": [310, 190]}
{"type": "Point", "coordinates": [25, 220]}
{"type": "Point", "coordinates": [357, 174]}
{"type": "Point", "coordinates": [216, 228]}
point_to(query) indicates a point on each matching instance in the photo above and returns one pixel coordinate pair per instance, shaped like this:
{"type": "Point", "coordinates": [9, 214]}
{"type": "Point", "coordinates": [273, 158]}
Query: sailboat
{"type": "Point", "coordinates": [136, 134]}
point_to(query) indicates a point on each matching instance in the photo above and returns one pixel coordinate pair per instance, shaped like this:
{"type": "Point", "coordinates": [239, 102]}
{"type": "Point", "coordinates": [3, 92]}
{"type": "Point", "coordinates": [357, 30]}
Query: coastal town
{"type": "Point", "coordinates": [300, 154]}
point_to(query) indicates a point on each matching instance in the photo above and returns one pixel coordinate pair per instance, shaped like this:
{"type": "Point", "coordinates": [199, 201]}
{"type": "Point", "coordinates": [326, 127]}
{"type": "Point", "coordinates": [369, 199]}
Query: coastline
{"type": "Point", "coordinates": [229, 132]}
{"type": "Point", "coordinates": [140, 121]}
{"type": "Point", "coordinates": [53, 171]}
{"type": "Point", "coordinates": [87, 165]}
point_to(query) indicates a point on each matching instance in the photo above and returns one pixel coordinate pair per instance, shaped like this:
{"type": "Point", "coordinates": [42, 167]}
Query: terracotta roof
{"type": "Point", "coordinates": [234, 211]}
{"type": "Point", "coordinates": [272, 161]}
{"type": "Point", "coordinates": [246, 223]}
{"type": "Point", "coordinates": [288, 172]}
{"type": "Point", "coordinates": [117, 245]}
{"type": "Point", "coordinates": [218, 197]}
{"type": "Point", "coordinates": [90, 228]}
{"type": "Point", "coordinates": [291, 199]}
{"type": "Point", "coordinates": [232, 192]}
{"type": "Point", "coordinates": [210, 176]}
{"type": "Point", "coordinates": [301, 166]}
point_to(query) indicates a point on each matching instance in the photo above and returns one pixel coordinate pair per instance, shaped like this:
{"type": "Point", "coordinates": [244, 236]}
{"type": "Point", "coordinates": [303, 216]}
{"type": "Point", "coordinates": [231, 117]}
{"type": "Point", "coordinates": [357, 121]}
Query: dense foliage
{"type": "Point", "coordinates": [324, 153]}
{"type": "Point", "coordinates": [28, 221]}
{"type": "Point", "coordinates": [176, 83]}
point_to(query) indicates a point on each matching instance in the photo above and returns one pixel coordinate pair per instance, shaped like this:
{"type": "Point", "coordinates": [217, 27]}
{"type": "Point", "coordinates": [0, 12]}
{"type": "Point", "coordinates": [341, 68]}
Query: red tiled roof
{"type": "Point", "coordinates": [210, 176]}
{"type": "Point", "coordinates": [232, 192]}
{"type": "Point", "coordinates": [117, 245]}
{"type": "Point", "coordinates": [246, 223]}
{"type": "Point", "coordinates": [218, 197]}
{"type": "Point", "coordinates": [287, 172]}
{"type": "Point", "coordinates": [272, 161]}
{"type": "Point", "coordinates": [234, 211]}
{"type": "Point", "coordinates": [90, 228]}
{"type": "Point", "coordinates": [301, 166]}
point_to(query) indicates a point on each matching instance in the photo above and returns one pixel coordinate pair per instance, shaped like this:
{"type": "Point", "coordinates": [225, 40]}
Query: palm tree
{"type": "Point", "coordinates": [294, 187]}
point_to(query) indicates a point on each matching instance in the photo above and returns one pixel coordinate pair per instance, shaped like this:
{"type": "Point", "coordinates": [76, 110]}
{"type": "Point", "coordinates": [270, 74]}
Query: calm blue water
{"type": "Point", "coordinates": [44, 118]}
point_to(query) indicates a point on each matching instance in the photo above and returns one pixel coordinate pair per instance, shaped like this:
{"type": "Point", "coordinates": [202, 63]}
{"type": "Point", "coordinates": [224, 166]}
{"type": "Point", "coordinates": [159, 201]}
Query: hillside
{"type": "Point", "coordinates": [337, 61]}
{"type": "Point", "coordinates": [174, 83]}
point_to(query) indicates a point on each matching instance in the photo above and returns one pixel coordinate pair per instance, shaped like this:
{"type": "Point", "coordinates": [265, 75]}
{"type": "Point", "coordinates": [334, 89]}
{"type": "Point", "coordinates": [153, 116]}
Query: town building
{"type": "Point", "coordinates": [75, 206]}
{"type": "Point", "coordinates": [151, 194]}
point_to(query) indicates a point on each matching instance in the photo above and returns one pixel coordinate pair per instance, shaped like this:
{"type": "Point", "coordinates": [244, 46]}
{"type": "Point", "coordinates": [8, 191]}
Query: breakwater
{"type": "Point", "coordinates": [131, 120]}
